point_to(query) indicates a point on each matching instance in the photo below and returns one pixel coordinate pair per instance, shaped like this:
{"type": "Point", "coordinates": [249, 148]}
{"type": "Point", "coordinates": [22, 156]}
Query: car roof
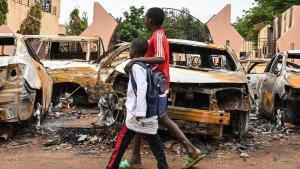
{"type": "Point", "coordinates": [195, 44]}
{"type": "Point", "coordinates": [10, 35]}
{"type": "Point", "coordinates": [294, 52]}
{"type": "Point", "coordinates": [64, 38]}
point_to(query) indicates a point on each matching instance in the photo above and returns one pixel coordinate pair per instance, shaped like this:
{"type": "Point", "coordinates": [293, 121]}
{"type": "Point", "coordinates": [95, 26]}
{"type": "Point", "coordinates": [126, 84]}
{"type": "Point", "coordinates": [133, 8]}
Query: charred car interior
{"type": "Point", "coordinates": [255, 71]}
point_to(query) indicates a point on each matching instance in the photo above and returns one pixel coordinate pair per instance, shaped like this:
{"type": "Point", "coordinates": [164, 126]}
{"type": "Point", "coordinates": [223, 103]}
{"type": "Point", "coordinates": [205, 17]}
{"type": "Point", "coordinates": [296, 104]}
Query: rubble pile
{"type": "Point", "coordinates": [88, 139]}
{"type": "Point", "coordinates": [261, 134]}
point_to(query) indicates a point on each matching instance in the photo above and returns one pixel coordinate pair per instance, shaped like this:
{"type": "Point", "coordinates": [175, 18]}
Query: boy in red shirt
{"type": "Point", "coordinates": [158, 53]}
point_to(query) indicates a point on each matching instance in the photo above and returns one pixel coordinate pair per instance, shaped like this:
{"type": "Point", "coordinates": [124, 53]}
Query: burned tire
{"type": "Point", "coordinates": [239, 122]}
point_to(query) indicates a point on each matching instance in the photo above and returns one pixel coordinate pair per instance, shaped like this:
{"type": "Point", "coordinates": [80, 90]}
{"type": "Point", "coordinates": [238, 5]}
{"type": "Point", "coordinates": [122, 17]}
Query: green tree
{"type": "Point", "coordinates": [264, 12]}
{"type": "Point", "coordinates": [133, 24]}
{"type": "Point", "coordinates": [3, 11]}
{"type": "Point", "coordinates": [76, 23]}
{"type": "Point", "coordinates": [32, 24]}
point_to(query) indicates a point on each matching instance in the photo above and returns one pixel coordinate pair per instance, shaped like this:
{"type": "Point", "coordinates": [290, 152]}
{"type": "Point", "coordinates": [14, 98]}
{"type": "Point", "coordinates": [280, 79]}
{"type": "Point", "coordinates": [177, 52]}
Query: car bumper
{"type": "Point", "coordinates": [16, 104]}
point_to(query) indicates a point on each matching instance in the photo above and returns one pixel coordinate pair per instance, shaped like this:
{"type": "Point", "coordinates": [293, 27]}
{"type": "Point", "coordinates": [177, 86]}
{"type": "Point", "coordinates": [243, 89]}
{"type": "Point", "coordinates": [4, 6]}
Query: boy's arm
{"type": "Point", "coordinates": [148, 60]}
{"type": "Point", "coordinates": [159, 54]}
{"type": "Point", "coordinates": [139, 75]}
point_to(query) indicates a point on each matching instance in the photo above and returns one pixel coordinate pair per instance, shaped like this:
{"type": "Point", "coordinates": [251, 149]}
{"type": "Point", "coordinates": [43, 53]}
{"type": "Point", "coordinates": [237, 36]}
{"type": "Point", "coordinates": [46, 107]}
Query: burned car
{"type": "Point", "coordinates": [208, 86]}
{"type": "Point", "coordinates": [279, 89]}
{"type": "Point", "coordinates": [25, 86]}
{"type": "Point", "coordinates": [73, 64]}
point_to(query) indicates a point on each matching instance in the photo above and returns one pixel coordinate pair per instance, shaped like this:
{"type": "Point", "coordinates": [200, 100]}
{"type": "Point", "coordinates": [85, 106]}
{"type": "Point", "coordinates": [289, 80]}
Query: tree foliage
{"type": "Point", "coordinates": [32, 23]}
{"type": "Point", "coordinates": [264, 12]}
{"type": "Point", "coordinates": [3, 11]}
{"type": "Point", "coordinates": [132, 26]}
{"type": "Point", "coordinates": [77, 24]}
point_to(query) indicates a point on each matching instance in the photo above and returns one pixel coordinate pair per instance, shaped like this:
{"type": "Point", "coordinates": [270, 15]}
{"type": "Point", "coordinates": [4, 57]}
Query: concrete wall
{"type": "Point", "coordinates": [18, 12]}
{"type": "Point", "coordinates": [103, 25]}
{"type": "Point", "coordinates": [290, 37]}
{"type": "Point", "coordinates": [222, 31]}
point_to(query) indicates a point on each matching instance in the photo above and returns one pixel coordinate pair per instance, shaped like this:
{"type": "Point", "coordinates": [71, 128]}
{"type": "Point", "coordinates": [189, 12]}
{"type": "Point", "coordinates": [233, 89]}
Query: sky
{"type": "Point", "coordinates": [201, 9]}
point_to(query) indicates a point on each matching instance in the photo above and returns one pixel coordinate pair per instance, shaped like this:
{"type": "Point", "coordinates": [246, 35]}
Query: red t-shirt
{"type": "Point", "coordinates": [159, 47]}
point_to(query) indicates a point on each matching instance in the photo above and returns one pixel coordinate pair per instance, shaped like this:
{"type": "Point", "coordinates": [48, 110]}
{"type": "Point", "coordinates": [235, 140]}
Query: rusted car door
{"type": "Point", "coordinates": [269, 83]}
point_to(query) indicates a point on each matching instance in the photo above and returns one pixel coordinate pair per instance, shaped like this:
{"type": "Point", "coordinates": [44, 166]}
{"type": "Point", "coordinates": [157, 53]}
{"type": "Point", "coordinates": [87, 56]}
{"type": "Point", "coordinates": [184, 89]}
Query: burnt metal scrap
{"type": "Point", "coordinates": [279, 89]}
{"type": "Point", "coordinates": [24, 82]}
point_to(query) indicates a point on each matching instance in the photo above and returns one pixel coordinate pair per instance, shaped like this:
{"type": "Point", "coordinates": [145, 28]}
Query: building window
{"type": "Point", "coordinates": [25, 2]}
{"type": "Point", "coordinates": [46, 5]}
{"type": "Point", "coordinates": [291, 18]}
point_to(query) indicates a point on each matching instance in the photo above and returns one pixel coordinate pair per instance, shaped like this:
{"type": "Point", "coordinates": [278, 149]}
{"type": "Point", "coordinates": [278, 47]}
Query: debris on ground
{"type": "Point", "coordinates": [70, 133]}
{"type": "Point", "coordinates": [245, 155]}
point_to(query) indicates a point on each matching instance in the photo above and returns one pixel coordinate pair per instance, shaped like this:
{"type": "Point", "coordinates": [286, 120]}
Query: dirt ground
{"type": "Point", "coordinates": [28, 149]}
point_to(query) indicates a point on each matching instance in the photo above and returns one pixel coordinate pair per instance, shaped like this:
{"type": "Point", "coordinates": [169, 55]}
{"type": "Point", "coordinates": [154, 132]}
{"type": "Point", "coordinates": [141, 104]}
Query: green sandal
{"type": "Point", "coordinates": [190, 162]}
{"type": "Point", "coordinates": [126, 165]}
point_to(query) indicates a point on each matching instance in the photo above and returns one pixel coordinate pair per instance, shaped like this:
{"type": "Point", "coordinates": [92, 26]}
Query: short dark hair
{"type": "Point", "coordinates": [157, 15]}
{"type": "Point", "coordinates": [140, 45]}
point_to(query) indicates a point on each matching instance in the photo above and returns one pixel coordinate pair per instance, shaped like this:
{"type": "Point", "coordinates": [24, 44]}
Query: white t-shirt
{"type": "Point", "coordinates": [136, 104]}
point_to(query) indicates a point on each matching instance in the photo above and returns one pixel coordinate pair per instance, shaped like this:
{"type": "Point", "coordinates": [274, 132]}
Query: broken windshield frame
{"type": "Point", "coordinates": [61, 48]}
{"type": "Point", "coordinates": [293, 63]}
{"type": "Point", "coordinates": [201, 58]}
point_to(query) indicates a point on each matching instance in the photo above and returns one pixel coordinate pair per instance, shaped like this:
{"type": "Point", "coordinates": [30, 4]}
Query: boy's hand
{"type": "Point", "coordinates": [129, 66]}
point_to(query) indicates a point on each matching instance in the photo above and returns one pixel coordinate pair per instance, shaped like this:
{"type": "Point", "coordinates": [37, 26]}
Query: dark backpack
{"type": "Point", "coordinates": [156, 86]}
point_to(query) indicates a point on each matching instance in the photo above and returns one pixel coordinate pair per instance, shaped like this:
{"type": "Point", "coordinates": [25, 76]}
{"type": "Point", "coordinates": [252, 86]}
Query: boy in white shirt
{"type": "Point", "coordinates": [136, 121]}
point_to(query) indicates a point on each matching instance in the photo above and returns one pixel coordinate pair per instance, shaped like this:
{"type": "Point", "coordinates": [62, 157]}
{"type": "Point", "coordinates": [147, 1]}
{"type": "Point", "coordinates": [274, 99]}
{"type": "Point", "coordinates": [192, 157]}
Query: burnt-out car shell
{"type": "Point", "coordinates": [279, 89]}
{"type": "Point", "coordinates": [75, 65]}
{"type": "Point", "coordinates": [25, 86]}
{"type": "Point", "coordinates": [208, 85]}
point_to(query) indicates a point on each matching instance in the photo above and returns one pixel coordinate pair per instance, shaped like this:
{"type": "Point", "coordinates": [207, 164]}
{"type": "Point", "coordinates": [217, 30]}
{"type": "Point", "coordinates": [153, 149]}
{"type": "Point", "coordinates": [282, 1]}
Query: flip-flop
{"type": "Point", "coordinates": [126, 165]}
{"type": "Point", "coordinates": [190, 162]}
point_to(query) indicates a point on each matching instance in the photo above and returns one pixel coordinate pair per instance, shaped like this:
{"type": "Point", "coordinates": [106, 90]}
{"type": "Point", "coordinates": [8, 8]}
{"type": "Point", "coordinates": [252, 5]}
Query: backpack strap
{"type": "Point", "coordinates": [133, 82]}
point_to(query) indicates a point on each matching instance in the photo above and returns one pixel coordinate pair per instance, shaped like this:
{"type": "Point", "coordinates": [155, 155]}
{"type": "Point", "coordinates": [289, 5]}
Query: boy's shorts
{"type": "Point", "coordinates": [163, 100]}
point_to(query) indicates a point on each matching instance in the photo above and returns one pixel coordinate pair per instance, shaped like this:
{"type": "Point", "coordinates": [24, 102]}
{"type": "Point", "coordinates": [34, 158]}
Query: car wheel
{"type": "Point", "coordinates": [111, 106]}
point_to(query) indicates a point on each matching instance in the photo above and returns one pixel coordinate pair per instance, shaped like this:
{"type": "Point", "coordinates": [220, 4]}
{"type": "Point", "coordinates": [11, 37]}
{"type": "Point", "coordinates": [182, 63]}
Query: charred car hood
{"type": "Point", "coordinates": [62, 64]}
{"type": "Point", "coordinates": [293, 80]}
{"type": "Point", "coordinates": [185, 75]}
{"type": "Point", "coordinates": [27, 67]}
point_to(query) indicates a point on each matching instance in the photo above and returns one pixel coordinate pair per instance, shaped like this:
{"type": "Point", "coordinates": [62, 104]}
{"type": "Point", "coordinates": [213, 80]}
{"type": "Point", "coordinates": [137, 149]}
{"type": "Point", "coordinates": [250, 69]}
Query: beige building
{"type": "Point", "coordinates": [266, 43]}
{"type": "Point", "coordinates": [62, 30]}
{"type": "Point", "coordinates": [287, 29]}
{"type": "Point", "coordinates": [18, 10]}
